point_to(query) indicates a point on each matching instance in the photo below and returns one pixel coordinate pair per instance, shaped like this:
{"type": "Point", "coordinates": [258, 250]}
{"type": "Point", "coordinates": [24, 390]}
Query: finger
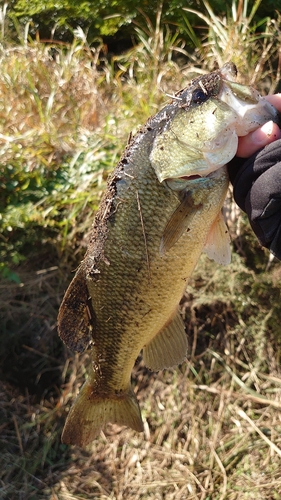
{"type": "Point", "coordinates": [256, 140]}
{"type": "Point", "coordinates": [275, 100]}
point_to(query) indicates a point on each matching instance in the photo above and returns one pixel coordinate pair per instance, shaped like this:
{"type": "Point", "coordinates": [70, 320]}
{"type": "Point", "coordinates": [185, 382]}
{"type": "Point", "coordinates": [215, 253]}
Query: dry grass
{"type": "Point", "coordinates": [48, 96]}
{"type": "Point", "coordinates": [213, 425]}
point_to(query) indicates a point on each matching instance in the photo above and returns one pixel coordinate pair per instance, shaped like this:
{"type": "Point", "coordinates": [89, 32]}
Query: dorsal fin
{"type": "Point", "coordinates": [76, 317]}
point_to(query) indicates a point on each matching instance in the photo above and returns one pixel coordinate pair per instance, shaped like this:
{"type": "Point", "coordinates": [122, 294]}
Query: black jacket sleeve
{"type": "Point", "coordinates": [257, 190]}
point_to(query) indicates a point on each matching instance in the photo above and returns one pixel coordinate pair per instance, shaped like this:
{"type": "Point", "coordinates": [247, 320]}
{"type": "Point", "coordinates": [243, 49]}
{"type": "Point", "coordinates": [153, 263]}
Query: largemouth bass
{"type": "Point", "coordinates": [161, 209]}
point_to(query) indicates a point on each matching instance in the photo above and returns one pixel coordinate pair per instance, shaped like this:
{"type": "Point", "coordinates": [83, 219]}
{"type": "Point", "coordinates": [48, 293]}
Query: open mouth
{"type": "Point", "coordinates": [191, 177]}
{"type": "Point", "coordinates": [215, 172]}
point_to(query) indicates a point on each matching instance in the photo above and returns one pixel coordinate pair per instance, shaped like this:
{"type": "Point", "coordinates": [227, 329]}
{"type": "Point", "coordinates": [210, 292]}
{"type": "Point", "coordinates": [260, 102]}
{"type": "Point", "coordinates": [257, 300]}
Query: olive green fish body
{"type": "Point", "coordinates": [133, 300]}
{"type": "Point", "coordinates": [162, 207]}
{"type": "Point", "coordinates": [135, 288]}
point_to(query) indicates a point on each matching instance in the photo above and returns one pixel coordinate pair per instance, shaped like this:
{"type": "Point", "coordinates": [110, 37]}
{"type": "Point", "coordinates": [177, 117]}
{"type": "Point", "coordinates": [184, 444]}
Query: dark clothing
{"type": "Point", "coordinates": [257, 190]}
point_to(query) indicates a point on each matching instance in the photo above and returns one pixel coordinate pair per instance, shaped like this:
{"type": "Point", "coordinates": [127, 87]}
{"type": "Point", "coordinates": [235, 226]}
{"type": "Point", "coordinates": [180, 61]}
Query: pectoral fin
{"type": "Point", "coordinates": [179, 223]}
{"type": "Point", "coordinates": [168, 348]}
{"type": "Point", "coordinates": [75, 319]}
{"type": "Point", "coordinates": [217, 246]}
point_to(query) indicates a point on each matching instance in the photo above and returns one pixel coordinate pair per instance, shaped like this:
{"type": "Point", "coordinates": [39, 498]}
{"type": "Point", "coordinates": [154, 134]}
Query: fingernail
{"type": "Point", "coordinates": [266, 130]}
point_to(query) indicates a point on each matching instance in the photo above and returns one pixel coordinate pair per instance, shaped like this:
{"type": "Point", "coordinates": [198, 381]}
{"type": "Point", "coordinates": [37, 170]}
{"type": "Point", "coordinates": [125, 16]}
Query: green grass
{"type": "Point", "coordinates": [236, 36]}
{"type": "Point", "coordinates": [212, 426]}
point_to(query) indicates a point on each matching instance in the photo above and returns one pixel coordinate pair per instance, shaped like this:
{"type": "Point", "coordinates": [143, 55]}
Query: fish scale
{"type": "Point", "coordinates": [161, 209]}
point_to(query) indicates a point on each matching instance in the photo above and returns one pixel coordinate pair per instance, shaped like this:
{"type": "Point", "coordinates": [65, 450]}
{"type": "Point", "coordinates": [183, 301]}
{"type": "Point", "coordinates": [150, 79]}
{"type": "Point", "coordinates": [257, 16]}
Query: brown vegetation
{"type": "Point", "coordinates": [213, 425]}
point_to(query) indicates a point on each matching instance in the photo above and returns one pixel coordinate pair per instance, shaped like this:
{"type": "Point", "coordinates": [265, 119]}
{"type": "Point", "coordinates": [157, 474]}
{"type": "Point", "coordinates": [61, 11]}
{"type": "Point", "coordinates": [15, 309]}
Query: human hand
{"type": "Point", "coordinates": [262, 136]}
{"type": "Point", "coordinates": [255, 173]}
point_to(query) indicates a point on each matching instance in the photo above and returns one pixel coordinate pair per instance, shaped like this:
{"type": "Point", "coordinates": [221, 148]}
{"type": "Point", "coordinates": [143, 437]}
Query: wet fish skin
{"type": "Point", "coordinates": [146, 240]}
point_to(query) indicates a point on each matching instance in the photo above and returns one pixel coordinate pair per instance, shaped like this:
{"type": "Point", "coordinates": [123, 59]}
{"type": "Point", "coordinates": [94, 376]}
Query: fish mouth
{"type": "Point", "coordinates": [186, 181]}
{"type": "Point", "coordinates": [194, 177]}
{"type": "Point", "coordinates": [202, 137]}
{"type": "Point", "coordinates": [191, 177]}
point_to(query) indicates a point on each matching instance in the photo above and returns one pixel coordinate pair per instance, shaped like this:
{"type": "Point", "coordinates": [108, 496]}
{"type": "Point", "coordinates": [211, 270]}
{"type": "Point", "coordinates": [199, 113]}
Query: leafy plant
{"type": "Point", "coordinates": [241, 37]}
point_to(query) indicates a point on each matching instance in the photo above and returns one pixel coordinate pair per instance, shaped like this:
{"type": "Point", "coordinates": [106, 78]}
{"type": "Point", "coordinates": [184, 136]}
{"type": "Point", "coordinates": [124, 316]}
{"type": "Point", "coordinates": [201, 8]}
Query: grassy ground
{"type": "Point", "coordinates": [213, 425]}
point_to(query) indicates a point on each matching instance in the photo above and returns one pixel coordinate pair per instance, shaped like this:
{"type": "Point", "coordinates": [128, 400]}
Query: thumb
{"type": "Point", "coordinates": [252, 142]}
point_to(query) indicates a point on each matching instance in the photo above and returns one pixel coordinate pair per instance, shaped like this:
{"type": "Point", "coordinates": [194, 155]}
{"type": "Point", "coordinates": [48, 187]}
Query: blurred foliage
{"type": "Point", "coordinates": [107, 19]}
{"type": "Point", "coordinates": [48, 114]}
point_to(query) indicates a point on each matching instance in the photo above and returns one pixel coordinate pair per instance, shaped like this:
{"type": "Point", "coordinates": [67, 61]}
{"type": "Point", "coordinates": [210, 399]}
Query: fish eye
{"type": "Point", "coordinates": [199, 96]}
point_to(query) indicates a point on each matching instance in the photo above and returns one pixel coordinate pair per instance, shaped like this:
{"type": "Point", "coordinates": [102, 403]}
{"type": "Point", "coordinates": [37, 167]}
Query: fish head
{"type": "Point", "coordinates": [203, 125]}
{"type": "Point", "coordinates": [251, 108]}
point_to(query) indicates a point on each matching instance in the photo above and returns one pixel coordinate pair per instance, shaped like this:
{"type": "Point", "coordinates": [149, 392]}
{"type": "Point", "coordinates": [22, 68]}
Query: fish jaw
{"type": "Point", "coordinates": [199, 140]}
{"type": "Point", "coordinates": [203, 135]}
{"type": "Point", "coordinates": [251, 108]}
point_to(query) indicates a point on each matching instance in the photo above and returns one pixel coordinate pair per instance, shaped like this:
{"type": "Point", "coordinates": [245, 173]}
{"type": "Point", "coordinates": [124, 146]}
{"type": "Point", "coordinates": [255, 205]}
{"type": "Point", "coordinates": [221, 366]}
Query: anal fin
{"type": "Point", "coordinates": [168, 348]}
{"type": "Point", "coordinates": [217, 246]}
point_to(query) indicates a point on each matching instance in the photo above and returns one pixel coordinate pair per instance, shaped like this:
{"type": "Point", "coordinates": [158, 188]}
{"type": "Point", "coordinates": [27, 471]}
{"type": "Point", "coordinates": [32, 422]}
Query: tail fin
{"type": "Point", "coordinates": [91, 412]}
